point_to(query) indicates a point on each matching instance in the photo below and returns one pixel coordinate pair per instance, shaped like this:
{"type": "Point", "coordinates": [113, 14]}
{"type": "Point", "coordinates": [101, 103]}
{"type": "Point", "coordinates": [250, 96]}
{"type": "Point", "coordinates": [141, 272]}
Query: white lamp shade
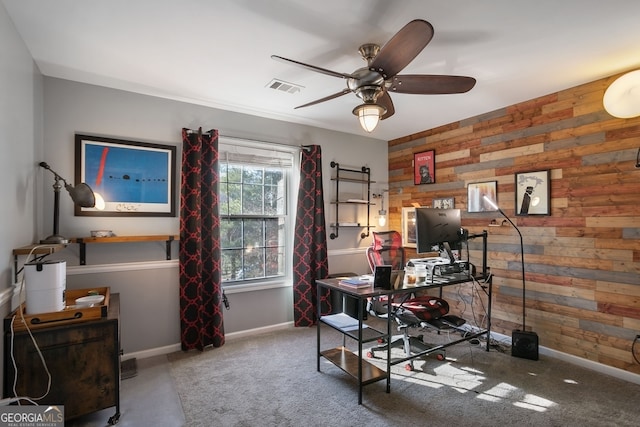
{"type": "Point", "coordinates": [369, 115]}
{"type": "Point", "coordinates": [382, 218]}
{"type": "Point", "coordinates": [100, 203]}
{"type": "Point", "coordinates": [622, 97]}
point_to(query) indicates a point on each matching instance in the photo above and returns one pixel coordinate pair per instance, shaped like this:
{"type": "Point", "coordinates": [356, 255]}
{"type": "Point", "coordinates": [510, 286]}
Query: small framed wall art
{"type": "Point", "coordinates": [409, 227]}
{"type": "Point", "coordinates": [533, 191]}
{"type": "Point", "coordinates": [443, 203]}
{"type": "Point", "coordinates": [424, 167]}
{"type": "Point", "coordinates": [475, 196]}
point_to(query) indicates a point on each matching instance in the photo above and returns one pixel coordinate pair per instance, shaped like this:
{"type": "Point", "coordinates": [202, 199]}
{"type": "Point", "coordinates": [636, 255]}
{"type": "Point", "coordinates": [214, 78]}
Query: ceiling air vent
{"type": "Point", "coordinates": [283, 86]}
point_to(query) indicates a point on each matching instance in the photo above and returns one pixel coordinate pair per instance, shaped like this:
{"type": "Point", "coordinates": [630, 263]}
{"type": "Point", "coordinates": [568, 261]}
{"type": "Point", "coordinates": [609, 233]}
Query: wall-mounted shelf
{"type": "Point", "coordinates": [39, 250]}
{"type": "Point", "coordinates": [83, 241]}
{"type": "Point", "coordinates": [360, 176]}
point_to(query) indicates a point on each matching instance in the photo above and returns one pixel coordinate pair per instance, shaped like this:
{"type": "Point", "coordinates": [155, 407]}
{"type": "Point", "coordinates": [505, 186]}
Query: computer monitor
{"type": "Point", "coordinates": [437, 227]}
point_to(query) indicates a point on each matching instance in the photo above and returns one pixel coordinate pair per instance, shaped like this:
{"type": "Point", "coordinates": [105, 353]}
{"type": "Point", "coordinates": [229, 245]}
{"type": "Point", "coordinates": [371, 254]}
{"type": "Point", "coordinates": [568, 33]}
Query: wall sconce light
{"type": "Point", "coordinates": [369, 115]}
{"type": "Point", "coordinates": [81, 194]}
{"type": "Point", "coordinates": [622, 97]}
{"type": "Point", "coordinates": [382, 214]}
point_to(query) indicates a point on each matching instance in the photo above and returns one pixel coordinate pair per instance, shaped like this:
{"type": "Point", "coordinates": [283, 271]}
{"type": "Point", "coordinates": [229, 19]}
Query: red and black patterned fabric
{"type": "Point", "coordinates": [201, 322]}
{"type": "Point", "coordinates": [310, 260]}
{"type": "Point", "coordinates": [386, 249]}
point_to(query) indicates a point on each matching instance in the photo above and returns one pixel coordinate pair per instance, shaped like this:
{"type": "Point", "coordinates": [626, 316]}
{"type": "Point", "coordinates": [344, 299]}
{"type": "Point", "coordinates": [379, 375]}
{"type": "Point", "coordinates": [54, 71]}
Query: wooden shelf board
{"type": "Point", "coordinates": [125, 239]}
{"type": "Point", "coordinates": [356, 180]}
{"type": "Point", "coordinates": [348, 362]}
{"type": "Point", "coordinates": [41, 250]}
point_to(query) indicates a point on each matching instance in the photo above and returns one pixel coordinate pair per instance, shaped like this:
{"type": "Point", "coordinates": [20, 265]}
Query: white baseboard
{"type": "Point", "coordinates": [228, 337]}
{"type": "Point", "coordinates": [578, 361]}
{"type": "Point", "coordinates": [158, 351]}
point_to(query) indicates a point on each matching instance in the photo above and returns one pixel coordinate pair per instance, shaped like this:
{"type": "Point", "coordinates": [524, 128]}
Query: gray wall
{"type": "Point", "coordinates": [20, 146]}
{"type": "Point", "coordinates": [149, 297]}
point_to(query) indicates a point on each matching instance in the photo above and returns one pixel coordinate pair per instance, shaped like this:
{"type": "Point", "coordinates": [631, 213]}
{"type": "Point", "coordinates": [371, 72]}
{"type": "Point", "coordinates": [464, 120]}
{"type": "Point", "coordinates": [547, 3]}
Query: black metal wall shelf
{"type": "Point", "coordinates": [360, 176]}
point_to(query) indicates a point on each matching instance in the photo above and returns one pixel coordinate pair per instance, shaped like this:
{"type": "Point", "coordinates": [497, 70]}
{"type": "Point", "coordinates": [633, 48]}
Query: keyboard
{"type": "Point", "coordinates": [431, 260]}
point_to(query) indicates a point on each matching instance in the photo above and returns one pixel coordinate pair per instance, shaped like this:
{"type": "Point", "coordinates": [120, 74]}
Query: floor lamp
{"type": "Point", "coordinates": [81, 194]}
{"type": "Point", "coordinates": [523, 344]}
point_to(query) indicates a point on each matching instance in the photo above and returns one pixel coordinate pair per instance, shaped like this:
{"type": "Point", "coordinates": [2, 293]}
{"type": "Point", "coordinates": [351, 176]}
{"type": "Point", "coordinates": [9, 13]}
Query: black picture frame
{"type": "Point", "coordinates": [475, 196]}
{"type": "Point", "coordinates": [533, 193]}
{"type": "Point", "coordinates": [135, 178]}
{"type": "Point", "coordinates": [424, 167]}
{"type": "Point", "coordinates": [409, 227]}
{"type": "Point", "coordinates": [443, 203]}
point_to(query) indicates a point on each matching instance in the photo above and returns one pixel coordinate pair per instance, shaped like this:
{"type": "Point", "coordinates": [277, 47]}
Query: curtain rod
{"type": "Point", "coordinates": [300, 147]}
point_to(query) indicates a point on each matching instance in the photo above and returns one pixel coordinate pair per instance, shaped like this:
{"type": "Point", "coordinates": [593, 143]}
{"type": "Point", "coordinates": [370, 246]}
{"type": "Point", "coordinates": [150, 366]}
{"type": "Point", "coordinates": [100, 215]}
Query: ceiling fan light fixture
{"type": "Point", "coordinates": [369, 115]}
{"type": "Point", "coordinates": [622, 97]}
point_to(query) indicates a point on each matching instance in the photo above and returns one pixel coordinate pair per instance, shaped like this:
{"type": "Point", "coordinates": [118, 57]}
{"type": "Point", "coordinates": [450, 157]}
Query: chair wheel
{"type": "Point", "coordinates": [440, 356]}
{"type": "Point", "coordinates": [370, 355]}
{"type": "Point", "coordinates": [408, 367]}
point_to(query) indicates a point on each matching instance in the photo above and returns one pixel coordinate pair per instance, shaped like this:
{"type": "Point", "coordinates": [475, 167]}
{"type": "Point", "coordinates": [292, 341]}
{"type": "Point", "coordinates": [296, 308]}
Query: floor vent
{"type": "Point", "coordinates": [128, 368]}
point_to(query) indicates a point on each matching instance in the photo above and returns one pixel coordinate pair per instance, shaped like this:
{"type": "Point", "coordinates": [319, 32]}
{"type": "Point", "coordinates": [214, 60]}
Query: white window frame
{"type": "Point", "coordinates": [245, 146]}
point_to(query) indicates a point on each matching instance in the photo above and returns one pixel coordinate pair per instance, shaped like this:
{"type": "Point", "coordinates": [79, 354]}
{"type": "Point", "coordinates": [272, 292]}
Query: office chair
{"type": "Point", "coordinates": [409, 311]}
{"type": "Point", "coordinates": [422, 312]}
{"type": "Point", "coordinates": [386, 249]}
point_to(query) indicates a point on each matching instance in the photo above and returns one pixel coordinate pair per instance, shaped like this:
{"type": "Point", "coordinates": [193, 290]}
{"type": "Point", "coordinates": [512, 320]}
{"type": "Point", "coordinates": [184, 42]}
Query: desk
{"type": "Point", "coordinates": [355, 328]}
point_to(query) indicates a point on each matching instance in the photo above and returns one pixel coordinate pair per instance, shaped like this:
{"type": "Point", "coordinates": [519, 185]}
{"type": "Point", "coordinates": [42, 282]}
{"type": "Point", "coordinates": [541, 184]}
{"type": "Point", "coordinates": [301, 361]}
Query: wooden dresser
{"type": "Point", "coordinates": [83, 359]}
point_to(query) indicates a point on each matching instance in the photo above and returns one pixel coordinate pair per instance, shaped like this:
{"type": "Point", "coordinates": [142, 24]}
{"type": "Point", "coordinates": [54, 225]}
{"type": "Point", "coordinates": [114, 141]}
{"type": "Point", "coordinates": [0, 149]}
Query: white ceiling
{"type": "Point", "coordinates": [217, 52]}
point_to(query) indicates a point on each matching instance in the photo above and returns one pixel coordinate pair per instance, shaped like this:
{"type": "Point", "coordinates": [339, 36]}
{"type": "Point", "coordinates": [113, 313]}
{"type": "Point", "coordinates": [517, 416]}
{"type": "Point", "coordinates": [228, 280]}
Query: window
{"type": "Point", "coordinates": [255, 224]}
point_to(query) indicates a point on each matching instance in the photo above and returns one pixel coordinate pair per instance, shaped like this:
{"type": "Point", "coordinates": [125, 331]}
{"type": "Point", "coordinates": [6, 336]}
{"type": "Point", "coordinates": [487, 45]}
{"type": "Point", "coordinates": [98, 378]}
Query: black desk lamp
{"type": "Point", "coordinates": [523, 344]}
{"type": "Point", "coordinates": [81, 194]}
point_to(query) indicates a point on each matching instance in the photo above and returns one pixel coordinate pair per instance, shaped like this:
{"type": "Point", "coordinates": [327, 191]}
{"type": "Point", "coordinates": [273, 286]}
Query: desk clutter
{"type": "Point", "coordinates": [72, 312]}
{"type": "Point", "coordinates": [421, 270]}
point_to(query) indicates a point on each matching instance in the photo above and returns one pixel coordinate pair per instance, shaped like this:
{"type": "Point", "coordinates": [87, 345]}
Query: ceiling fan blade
{"type": "Point", "coordinates": [386, 102]}
{"type": "Point", "coordinates": [431, 84]}
{"type": "Point", "coordinates": [313, 67]}
{"type": "Point", "coordinates": [405, 45]}
{"type": "Point", "coordinates": [326, 98]}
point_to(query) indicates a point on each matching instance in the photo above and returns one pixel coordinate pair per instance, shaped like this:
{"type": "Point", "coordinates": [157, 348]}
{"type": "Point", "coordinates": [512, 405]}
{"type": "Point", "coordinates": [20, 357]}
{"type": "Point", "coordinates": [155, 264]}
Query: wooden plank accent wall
{"type": "Point", "coordinates": [582, 262]}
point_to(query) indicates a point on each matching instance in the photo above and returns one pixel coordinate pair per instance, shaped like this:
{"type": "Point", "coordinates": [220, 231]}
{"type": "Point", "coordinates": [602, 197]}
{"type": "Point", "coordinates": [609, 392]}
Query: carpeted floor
{"type": "Point", "coordinates": [271, 380]}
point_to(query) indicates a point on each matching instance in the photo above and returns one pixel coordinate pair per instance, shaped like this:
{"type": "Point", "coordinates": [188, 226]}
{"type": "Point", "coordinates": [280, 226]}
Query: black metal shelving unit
{"type": "Point", "coordinates": [347, 175]}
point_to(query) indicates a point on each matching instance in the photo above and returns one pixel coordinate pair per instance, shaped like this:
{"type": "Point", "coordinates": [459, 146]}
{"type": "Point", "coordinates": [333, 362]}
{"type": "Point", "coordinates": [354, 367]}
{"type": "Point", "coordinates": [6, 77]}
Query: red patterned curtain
{"type": "Point", "coordinates": [201, 297]}
{"type": "Point", "coordinates": [310, 241]}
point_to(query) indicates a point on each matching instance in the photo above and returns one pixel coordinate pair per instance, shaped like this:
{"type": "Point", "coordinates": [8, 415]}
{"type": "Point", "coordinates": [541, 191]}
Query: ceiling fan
{"type": "Point", "coordinates": [374, 82]}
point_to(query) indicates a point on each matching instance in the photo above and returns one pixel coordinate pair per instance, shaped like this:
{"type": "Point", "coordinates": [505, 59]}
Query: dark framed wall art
{"type": "Point", "coordinates": [475, 196]}
{"type": "Point", "coordinates": [533, 193]}
{"type": "Point", "coordinates": [134, 178]}
{"type": "Point", "coordinates": [424, 167]}
{"type": "Point", "coordinates": [409, 227]}
{"type": "Point", "coordinates": [443, 203]}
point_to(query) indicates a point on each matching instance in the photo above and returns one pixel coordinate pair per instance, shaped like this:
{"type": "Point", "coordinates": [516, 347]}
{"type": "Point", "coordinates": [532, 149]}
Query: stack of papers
{"type": "Point", "coordinates": [355, 282]}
